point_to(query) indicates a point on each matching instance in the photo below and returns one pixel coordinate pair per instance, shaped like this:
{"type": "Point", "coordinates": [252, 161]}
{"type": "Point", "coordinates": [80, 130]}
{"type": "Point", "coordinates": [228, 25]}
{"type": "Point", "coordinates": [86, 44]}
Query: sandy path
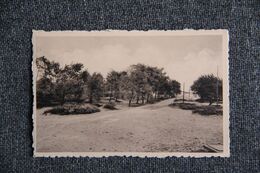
{"type": "Point", "coordinates": [156, 127]}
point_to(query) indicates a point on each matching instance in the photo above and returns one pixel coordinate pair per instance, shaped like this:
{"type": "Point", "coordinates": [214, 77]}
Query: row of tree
{"type": "Point", "coordinates": [56, 84]}
{"type": "Point", "coordinates": [140, 83]}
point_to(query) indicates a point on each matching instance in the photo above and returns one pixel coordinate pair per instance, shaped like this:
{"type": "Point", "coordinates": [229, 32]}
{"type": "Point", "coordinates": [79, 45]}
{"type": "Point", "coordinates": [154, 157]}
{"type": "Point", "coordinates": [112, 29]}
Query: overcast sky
{"type": "Point", "coordinates": [184, 58]}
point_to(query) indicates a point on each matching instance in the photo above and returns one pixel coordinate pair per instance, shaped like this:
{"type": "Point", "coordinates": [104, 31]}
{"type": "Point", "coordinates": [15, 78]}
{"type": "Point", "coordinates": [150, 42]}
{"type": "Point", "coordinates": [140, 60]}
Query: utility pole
{"type": "Point", "coordinates": [217, 86]}
{"type": "Point", "coordinates": [189, 93]}
{"type": "Point", "coordinates": [183, 92]}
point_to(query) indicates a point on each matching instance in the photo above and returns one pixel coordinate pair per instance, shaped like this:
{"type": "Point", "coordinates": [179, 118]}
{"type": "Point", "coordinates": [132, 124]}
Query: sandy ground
{"type": "Point", "coordinates": [149, 128]}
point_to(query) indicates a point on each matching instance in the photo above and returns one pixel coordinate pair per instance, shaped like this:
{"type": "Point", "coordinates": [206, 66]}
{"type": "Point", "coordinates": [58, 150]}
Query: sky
{"type": "Point", "coordinates": [184, 58]}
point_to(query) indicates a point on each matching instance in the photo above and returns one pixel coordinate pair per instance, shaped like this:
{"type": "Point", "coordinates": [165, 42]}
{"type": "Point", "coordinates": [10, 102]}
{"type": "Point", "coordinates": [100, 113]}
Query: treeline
{"type": "Point", "coordinates": [140, 84]}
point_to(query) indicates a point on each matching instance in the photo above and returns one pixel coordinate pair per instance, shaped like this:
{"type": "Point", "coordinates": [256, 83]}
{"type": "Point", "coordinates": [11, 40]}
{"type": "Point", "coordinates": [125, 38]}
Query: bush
{"type": "Point", "coordinates": [110, 106]}
{"type": "Point", "coordinates": [187, 106]}
{"type": "Point", "coordinates": [200, 100]}
{"type": "Point", "coordinates": [202, 110]}
{"type": "Point", "coordinates": [97, 104]}
{"type": "Point", "coordinates": [151, 101]}
{"type": "Point", "coordinates": [68, 109]}
{"type": "Point", "coordinates": [174, 105]}
{"type": "Point", "coordinates": [179, 100]}
{"type": "Point", "coordinates": [208, 110]}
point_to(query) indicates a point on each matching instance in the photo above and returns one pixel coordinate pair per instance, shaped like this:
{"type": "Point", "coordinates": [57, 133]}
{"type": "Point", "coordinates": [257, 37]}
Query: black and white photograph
{"type": "Point", "coordinates": [130, 93]}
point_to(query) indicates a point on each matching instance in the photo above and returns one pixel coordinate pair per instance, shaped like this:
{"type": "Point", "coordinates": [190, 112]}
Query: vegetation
{"type": "Point", "coordinates": [115, 84]}
{"type": "Point", "coordinates": [72, 83]}
{"type": "Point", "coordinates": [208, 88]}
{"type": "Point", "coordinates": [208, 110]}
{"type": "Point", "coordinates": [145, 84]}
{"type": "Point", "coordinates": [95, 87]}
{"type": "Point", "coordinates": [73, 109]}
{"type": "Point", "coordinates": [110, 106]}
{"type": "Point", "coordinates": [77, 91]}
{"type": "Point", "coordinates": [202, 110]}
{"type": "Point", "coordinates": [67, 84]}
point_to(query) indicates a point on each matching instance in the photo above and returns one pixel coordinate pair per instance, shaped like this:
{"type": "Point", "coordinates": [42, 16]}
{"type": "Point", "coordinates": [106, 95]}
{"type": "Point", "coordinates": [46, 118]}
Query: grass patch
{"type": "Point", "coordinates": [70, 108]}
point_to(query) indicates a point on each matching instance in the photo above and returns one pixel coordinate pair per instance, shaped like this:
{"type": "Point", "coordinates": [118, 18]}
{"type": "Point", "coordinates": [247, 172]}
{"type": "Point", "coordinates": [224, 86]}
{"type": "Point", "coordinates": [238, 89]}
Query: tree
{"type": "Point", "coordinates": [139, 82]}
{"type": "Point", "coordinates": [56, 84]}
{"type": "Point", "coordinates": [47, 72]}
{"type": "Point", "coordinates": [146, 83]}
{"type": "Point", "coordinates": [123, 80]}
{"type": "Point", "coordinates": [113, 84]}
{"type": "Point", "coordinates": [44, 92]}
{"type": "Point", "coordinates": [47, 69]}
{"type": "Point", "coordinates": [153, 74]}
{"type": "Point", "coordinates": [174, 87]}
{"type": "Point", "coordinates": [69, 83]}
{"type": "Point", "coordinates": [130, 88]}
{"type": "Point", "coordinates": [163, 86]}
{"type": "Point", "coordinates": [127, 86]}
{"type": "Point", "coordinates": [156, 79]}
{"type": "Point", "coordinates": [95, 87]}
{"type": "Point", "coordinates": [206, 87]}
{"type": "Point", "coordinates": [85, 77]}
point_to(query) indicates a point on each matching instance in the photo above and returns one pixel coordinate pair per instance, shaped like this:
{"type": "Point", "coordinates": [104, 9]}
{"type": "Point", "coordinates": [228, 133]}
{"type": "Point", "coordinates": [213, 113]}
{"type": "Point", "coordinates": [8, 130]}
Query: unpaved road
{"type": "Point", "coordinates": [149, 128]}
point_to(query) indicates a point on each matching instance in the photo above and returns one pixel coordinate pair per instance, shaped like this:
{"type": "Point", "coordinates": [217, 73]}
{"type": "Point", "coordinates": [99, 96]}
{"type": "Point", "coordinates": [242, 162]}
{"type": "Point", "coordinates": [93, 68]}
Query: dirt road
{"type": "Point", "coordinates": [149, 128]}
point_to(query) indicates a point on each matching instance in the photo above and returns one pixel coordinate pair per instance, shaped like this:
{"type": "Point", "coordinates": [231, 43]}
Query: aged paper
{"type": "Point", "coordinates": [130, 93]}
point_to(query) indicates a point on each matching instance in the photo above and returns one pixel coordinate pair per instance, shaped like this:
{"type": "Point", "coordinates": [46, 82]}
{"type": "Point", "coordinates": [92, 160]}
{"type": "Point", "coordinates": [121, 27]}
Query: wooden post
{"type": "Point", "coordinates": [217, 86]}
{"type": "Point", "coordinates": [183, 92]}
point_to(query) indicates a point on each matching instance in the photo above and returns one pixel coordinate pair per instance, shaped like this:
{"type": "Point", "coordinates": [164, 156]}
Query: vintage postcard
{"type": "Point", "coordinates": [131, 93]}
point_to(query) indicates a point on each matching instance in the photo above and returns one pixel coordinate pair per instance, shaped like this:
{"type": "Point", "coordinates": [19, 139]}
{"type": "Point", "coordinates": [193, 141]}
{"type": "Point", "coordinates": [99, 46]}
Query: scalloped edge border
{"type": "Point", "coordinates": [226, 112]}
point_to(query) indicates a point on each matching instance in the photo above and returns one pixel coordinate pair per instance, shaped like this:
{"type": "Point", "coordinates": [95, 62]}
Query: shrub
{"type": "Point", "coordinates": [110, 106]}
{"type": "Point", "coordinates": [97, 104]}
{"type": "Point", "coordinates": [174, 105]}
{"type": "Point", "coordinates": [202, 110]}
{"type": "Point", "coordinates": [151, 101]}
{"type": "Point", "coordinates": [208, 110]}
{"type": "Point", "coordinates": [187, 106]}
{"type": "Point", "coordinates": [179, 100]}
{"type": "Point", "coordinates": [200, 100]}
{"type": "Point", "coordinates": [67, 109]}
